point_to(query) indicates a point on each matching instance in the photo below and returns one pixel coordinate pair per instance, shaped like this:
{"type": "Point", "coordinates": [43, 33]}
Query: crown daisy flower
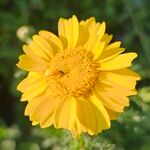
{"type": "Point", "coordinates": [77, 80]}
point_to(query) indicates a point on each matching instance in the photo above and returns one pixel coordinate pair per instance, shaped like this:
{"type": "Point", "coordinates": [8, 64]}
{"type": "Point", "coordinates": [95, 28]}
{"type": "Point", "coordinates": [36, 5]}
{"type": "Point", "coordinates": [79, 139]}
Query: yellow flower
{"type": "Point", "coordinates": [77, 80]}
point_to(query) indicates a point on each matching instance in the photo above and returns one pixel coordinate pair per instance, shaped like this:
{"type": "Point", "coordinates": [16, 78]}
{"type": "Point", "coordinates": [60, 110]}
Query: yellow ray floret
{"type": "Point", "coordinates": [77, 80]}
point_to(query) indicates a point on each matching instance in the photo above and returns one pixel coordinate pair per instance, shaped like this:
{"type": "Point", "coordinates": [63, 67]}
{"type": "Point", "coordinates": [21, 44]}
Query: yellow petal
{"type": "Point", "coordinates": [118, 98]}
{"type": "Point", "coordinates": [96, 32]}
{"type": "Point", "coordinates": [87, 23]}
{"type": "Point", "coordinates": [101, 30]}
{"type": "Point", "coordinates": [44, 110]}
{"type": "Point", "coordinates": [119, 88]}
{"type": "Point", "coordinates": [128, 73]}
{"type": "Point", "coordinates": [103, 97]}
{"type": "Point", "coordinates": [113, 45]}
{"type": "Point", "coordinates": [84, 27]}
{"type": "Point", "coordinates": [50, 119]}
{"type": "Point", "coordinates": [75, 30]}
{"type": "Point", "coordinates": [35, 123]}
{"type": "Point", "coordinates": [112, 114]}
{"type": "Point", "coordinates": [109, 103]}
{"type": "Point", "coordinates": [31, 79]}
{"type": "Point", "coordinates": [36, 50]}
{"type": "Point", "coordinates": [85, 116]}
{"type": "Point", "coordinates": [119, 62]}
{"type": "Point", "coordinates": [97, 49]}
{"type": "Point", "coordinates": [62, 32]}
{"type": "Point", "coordinates": [44, 45]}
{"type": "Point", "coordinates": [121, 79]}
{"type": "Point", "coordinates": [27, 50]}
{"type": "Point", "coordinates": [68, 31]}
{"type": "Point", "coordinates": [32, 105]}
{"type": "Point", "coordinates": [30, 63]}
{"type": "Point", "coordinates": [102, 118]}
{"type": "Point", "coordinates": [109, 54]}
{"type": "Point", "coordinates": [34, 91]}
{"type": "Point", "coordinates": [107, 38]}
{"type": "Point", "coordinates": [51, 38]}
{"type": "Point", "coordinates": [114, 94]}
{"type": "Point", "coordinates": [65, 115]}
{"type": "Point", "coordinates": [34, 85]}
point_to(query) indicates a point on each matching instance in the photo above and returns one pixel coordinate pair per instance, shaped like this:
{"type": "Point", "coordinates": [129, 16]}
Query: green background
{"type": "Point", "coordinates": [127, 20]}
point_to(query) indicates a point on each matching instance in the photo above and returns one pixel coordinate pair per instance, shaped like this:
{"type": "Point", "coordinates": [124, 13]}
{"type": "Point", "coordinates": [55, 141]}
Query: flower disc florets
{"type": "Point", "coordinates": [74, 71]}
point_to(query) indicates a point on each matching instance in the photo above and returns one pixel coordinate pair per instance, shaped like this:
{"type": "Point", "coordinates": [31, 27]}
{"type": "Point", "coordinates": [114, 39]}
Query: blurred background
{"type": "Point", "coordinates": [127, 20]}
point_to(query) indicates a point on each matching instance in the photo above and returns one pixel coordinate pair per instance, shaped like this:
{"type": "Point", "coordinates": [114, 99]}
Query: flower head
{"type": "Point", "coordinates": [77, 80]}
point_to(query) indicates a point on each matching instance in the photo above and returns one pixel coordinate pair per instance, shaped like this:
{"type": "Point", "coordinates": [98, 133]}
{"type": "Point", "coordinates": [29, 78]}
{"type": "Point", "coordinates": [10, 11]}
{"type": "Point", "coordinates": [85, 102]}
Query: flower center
{"type": "Point", "coordinates": [74, 71]}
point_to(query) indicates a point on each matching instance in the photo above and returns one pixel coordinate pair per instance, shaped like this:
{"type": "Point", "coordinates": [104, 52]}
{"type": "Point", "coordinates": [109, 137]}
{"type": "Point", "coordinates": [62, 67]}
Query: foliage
{"type": "Point", "coordinates": [128, 20]}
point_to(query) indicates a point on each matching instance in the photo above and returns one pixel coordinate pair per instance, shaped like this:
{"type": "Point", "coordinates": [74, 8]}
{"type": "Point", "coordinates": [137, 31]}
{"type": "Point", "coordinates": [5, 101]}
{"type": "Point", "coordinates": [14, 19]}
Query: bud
{"type": "Point", "coordinates": [23, 33]}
